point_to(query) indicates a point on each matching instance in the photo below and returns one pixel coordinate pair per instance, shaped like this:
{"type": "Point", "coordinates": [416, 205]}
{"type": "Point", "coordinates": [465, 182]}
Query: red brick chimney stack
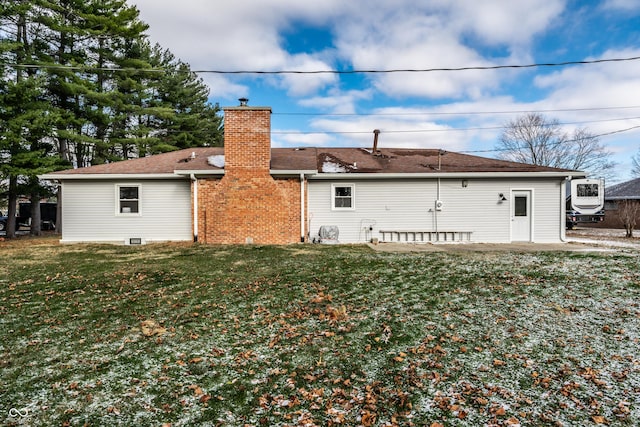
{"type": "Point", "coordinates": [247, 139]}
{"type": "Point", "coordinates": [247, 205]}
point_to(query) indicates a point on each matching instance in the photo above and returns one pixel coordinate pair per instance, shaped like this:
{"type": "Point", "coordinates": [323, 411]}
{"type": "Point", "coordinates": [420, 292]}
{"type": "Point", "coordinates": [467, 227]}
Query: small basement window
{"type": "Point", "coordinates": [128, 199]}
{"type": "Point", "coordinates": [343, 196]}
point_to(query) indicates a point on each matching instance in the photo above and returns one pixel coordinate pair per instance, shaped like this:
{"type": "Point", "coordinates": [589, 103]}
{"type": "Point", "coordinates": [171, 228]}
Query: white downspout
{"type": "Point", "coordinates": [194, 180]}
{"type": "Point", "coordinates": [302, 216]}
{"type": "Point", "coordinates": [563, 209]}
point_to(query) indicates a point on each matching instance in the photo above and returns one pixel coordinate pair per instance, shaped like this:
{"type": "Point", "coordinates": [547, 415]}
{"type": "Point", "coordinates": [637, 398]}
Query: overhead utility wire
{"type": "Point", "coordinates": [557, 143]}
{"type": "Point", "coordinates": [429, 113]}
{"type": "Point", "coordinates": [405, 70]}
{"type": "Point", "coordinates": [443, 130]}
{"type": "Point", "coordinates": [426, 70]}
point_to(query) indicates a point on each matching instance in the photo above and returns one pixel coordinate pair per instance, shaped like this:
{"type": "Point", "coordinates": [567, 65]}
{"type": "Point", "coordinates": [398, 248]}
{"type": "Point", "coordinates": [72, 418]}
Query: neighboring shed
{"type": "Point", "coordinates": [249, 192]}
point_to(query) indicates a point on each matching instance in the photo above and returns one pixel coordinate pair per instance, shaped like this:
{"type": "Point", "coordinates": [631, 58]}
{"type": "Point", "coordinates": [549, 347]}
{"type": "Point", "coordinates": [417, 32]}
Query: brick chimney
{"type": "Point", "coordinates": [248, 205]}
{"type": "Point", "coordinates": [247, 139]}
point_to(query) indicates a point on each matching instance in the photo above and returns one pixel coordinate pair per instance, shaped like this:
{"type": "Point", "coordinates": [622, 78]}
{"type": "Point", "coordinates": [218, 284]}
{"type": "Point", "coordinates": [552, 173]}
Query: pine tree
{"type": "Point", "coordinates": [81, 84]}
{"type": "Point", "coordinates": [195, 122]}
{"type": "Point", "coordinates": [25, 116]}
{"type": "Point", "coordinates": [115, 30]}
{"type": "Point", "coordinates": [177, 113]}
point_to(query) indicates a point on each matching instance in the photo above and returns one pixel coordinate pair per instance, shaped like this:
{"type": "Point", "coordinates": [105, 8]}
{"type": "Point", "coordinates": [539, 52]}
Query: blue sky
{"type": "Point", "coordinates": [457, 110]}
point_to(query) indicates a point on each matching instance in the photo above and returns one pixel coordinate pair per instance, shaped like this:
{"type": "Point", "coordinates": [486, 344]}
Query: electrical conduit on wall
{"type": "Point", "coordinates": [435, 209]}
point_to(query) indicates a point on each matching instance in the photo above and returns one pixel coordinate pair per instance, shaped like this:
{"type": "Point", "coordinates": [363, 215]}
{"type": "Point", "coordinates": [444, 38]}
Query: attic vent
{"type": "Point", "coordinates": [243, 101]}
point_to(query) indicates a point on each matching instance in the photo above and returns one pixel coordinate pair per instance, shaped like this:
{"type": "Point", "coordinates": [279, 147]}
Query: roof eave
{"type": "Point", "coordinates": [313, 174]}
{"type": "Point", "coordinates": [352, 175]}
{"type": "Point", "coordinates": [293, 172]}
{"type": "Point", "coordinates": [621, 197]}
{"type": "Point", "coordinates": [199, 172]}
{"type": "Point", "coordinates": [106, 176]}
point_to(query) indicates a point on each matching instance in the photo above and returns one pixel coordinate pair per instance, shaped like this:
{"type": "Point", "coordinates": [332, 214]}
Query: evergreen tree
{"type": "Point", "coordinates": [138, 114]}
{"type": "Point", "coordinates": [194, 122]}
{"type": "Point", "coordinates": [115, 29]}
{"type": "Point", "coordinates": [25, 116]}
{"type": "Point", "coordinates": [80, 83]}
{"type": "Point", "coordinates": [177, 114]}
{"type": "Point", "coordinates": [88, 38]}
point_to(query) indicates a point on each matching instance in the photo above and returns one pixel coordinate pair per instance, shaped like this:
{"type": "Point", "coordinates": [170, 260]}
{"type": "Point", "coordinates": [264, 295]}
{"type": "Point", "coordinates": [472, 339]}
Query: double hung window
{"type": "Point", "coordinates": [128, 199]}
{"type": "Point", "coordinates": [343, 196]}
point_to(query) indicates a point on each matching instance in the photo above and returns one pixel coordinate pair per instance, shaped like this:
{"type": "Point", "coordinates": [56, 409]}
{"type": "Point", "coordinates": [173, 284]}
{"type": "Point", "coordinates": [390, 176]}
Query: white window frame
{"type": "Point", "coordinates": [333, 197]}
{"type": "Point", "coordinates": [119, 200]}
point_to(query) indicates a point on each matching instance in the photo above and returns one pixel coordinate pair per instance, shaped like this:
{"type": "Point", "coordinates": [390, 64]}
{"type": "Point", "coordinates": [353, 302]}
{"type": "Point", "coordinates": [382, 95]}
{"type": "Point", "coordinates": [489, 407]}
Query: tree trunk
{"type": "Point", "coordinates": [36, 217]}
{"type": "Point", "coordinates": [628, 211]}
{"type": "Point", "coordinates": [11, 214]}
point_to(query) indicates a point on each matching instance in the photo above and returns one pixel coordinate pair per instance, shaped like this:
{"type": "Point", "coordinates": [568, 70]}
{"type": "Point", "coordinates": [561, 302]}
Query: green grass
{"type": "Point", "coordinates": [316, 335]}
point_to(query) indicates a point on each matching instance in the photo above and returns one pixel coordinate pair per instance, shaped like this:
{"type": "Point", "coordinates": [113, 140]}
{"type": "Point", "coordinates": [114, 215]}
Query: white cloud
{"type": "Point", "coordinates": [247, 35]}
{"type": "Point", "coordinates": [435, 35]}
{"type": "Point", "coordinates": [504, 22]}
{"type": "Point", "coordinates": [221, 87]}
{"type": "Point", "coordinates": [242, 35]}
{"type": "Point", "coordinates": [337, 102]}
{"type": "Point", "coordinates": [597, 85]}
{"type": "Point", "coordinates": [306, 84]}
{"type": "Point", "coordinates": [414, 132]}
{"type": "Point", "coordinates": [622, 5]}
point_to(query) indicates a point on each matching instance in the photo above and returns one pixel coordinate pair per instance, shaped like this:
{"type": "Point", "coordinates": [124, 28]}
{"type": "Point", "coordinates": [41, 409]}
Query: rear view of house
{"type": "Point", "coordinates": [249, 192]}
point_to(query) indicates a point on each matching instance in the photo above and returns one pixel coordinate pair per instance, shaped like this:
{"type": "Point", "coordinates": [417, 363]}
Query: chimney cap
{"type": "Point", "coordinates": [243, 101]}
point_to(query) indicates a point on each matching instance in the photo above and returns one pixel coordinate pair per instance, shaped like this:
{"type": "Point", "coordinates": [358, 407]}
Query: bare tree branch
{"type": "Point", "coordinates": [628, 211]}
{"type": "Point", "coordinates": [635, 164]}
{"type": "Point", "coordinates": [534, 139]}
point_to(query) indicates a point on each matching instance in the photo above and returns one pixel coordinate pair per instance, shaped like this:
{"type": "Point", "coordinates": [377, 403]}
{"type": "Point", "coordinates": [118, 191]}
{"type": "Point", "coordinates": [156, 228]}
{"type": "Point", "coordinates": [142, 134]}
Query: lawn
{"type": "Point", "coordinates": [309, 335]}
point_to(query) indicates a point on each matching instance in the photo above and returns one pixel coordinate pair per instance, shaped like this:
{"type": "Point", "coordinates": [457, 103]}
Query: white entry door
{"type": "Point", "coordinates": [521, 216]}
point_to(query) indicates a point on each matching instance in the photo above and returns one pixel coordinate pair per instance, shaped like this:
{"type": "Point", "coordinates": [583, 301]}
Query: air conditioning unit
{"type": "Point", "coordinates": [439, 205]}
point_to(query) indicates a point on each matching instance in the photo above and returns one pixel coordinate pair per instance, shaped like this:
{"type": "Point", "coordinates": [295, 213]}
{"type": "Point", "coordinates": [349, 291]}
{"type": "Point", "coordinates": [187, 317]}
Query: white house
{"type": "Point", "coordinates": [249, 192]}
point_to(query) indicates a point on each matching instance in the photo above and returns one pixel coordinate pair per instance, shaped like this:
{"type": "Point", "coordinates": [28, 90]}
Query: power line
{"type": "Point", "coordinates": [427, 70]}
{"type": "Point", "coordinates": [617, 131]}
{"type": "Point", "coordinates": [557, 143]}
{"type": "Point", "coordinates": [364, 71]}
{"type": "Point", "coordinates": [446, 130]}
{"type": "Point", "coordinates": [469, 113]}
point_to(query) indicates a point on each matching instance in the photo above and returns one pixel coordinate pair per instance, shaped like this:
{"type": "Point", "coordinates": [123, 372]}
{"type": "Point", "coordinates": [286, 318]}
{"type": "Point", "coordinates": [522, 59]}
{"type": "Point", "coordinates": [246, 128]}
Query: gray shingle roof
{"type": "Point", "coordinates": [624, 191]}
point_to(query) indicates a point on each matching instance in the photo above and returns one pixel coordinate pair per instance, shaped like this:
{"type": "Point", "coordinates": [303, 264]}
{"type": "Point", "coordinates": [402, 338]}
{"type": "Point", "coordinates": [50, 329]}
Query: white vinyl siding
{"type": "Point", "coordinates": [409, 204]}
{"type": "Point", "coordinates": [90, 211]}
{"type": "Point", "coordinates": [547, 206]}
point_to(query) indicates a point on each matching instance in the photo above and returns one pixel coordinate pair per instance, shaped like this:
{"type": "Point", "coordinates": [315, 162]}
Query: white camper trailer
{"type": "Point", "coordinates": [587, 202]}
